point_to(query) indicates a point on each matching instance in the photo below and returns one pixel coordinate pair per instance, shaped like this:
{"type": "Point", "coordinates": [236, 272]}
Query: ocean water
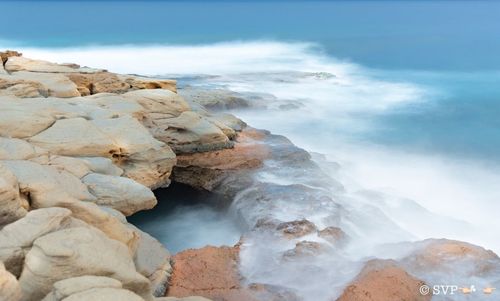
{"type": "Point", "coordinates": [403, 95]}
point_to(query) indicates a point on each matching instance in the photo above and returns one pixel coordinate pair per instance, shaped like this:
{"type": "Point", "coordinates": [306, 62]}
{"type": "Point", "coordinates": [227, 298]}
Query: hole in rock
{"type": "Point", "coordinates": [188, 218]}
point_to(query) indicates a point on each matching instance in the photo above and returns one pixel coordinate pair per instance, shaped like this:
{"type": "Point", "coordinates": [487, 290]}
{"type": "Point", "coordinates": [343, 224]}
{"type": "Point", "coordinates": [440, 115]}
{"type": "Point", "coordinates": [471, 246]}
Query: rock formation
{"type": "Point", "coordinates": [80, 149]}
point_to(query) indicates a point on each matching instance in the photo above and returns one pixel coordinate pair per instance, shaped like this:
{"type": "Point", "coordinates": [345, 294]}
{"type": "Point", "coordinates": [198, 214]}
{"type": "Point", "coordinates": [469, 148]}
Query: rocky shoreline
{"type": "Point", "coordinates": [81, 149]}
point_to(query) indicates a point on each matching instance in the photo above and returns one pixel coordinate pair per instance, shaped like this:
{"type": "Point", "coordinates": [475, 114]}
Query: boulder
{"type": "Point", "coordinates": [4, 55]}
{"type": "Point", "coordinates": [99, 82]}
{"type": "Point", "coordinates": [46, 185]}
{"type": "Point", "coordinates": [215, 99]}
{"type": "Point", "coordinates": [165, 103]}
{"type": "Point", "coordinates": [153, 261]}
{"type": "Point", "coordinates": [333, 235]}
{"type": "Point", "coordinates": [67, 287]}
{"type": "Point", "coordinates": [191, 298]}
{"type": "Point", "coordinates": [9, 287]}
{"type": "Point", "coordinates": [103, 166]}
{"type": "Point", "coordinates": [20, 120]}
{"type": "Point", "coordinates": [189, 133]}
{"type": "Point", "coordinates": [57, 85]}
{"type": "Point", "coordinates": [19, 63]}
{"type": "Point", "coordinates": [210, 272]}
{"type": "Point", "coordinates": [61, 139]}
{"type": "Point", "coordinates": [140, 82]}
{"type": "Point", "coordinates": [13, 206]}
{"type": "Point", "coordinates": [21, 88]}
{"type": "Point", "coordinates": [17, 149]}
{"type": "Point", "coordinates": [18, 237]}
{"type": "Point", "coordinates": [78, 252]}
{"type": "Point", "coordinates": [105, 294]}
{"type": "Point", "coordinates": [384, 280]}
{"type": "Point", "coordinates": [122, 194]}
{"type": "Point", "coordinates": [445, 256]}
{"type": "Point", "coordinates": [298, 228]}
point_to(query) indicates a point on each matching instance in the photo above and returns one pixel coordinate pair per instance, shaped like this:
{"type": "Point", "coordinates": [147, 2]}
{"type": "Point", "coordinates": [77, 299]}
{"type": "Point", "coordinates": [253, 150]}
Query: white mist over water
{"type": "Point", "coordinates": [391, 194]}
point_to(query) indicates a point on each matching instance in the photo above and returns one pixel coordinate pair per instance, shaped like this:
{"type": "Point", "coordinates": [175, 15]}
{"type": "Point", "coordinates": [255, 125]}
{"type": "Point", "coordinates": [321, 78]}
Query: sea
{"type": "Point", "coordinates": [403, 95]}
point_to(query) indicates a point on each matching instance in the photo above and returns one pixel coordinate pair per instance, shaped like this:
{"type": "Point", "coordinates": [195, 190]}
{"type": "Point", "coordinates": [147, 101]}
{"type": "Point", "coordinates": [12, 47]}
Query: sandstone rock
{"type": "Point", "coordinates": [191, 132]}
{"type": "Point", "coordinates": [103, 166]}
{"type": "Point", "coordinates": [209, 272]}
{"type": "Point", "coordinates": [122, 194]}
{"type": "Point", "coordinates": [4, 55]}
{"type": "Point", "coordinates": [9, 287]}
{"type": "Point", "coordinates": [12, 207]}
{"type": "Point", "coordinates": [100, 82]}
{"type": "Point", "coordinates": [19, 120]}
{"type": "Point", "coordinates": [295, 229]}
{"type": "Point", "coordinates": [19, 63]}
{"type": "Point", "coordinates": [334, 235]}
{"type": "Point", "coordinates": [139, 82]}
{"type": "Point", "coordinates": [67, 287]}
{"type": "Point", "coordinates": [20, 235]}
{"type": "Point", "coordinates": [192, 298]}
{"type": "Point", "coordinates": [109, 224]}
{"type": "Point", "coordinates": [16, 149]}
{"type": "Point", "coordinates": [57, 85]}
{"type": "Point", "coordinates": [153, 261]}
{"type": "Point", "coordinates": [46, 185]}
{"type": "Point", "coordinates": [166, 103]}
{"type": "Point", "coordinates": [383, 280]}
{"type": "Point", "coordinates": [216, 99]}
{"type": "Point", "coordinates": [209, 170]}
{"type": "Point", "coordinates": [104, 294]}
{"type": "Point", "coordinates": [21, 88]}
{"type": "Point", "coordinates": [451, 257]}
{"type": "Point", "coordinates": [60, 139]}
{"type": "Point", "coordinates": [305, 249]}
{"type": "Point", "coordinates": [116, 105]}
{"type": "Point", "coordinates": [78, 252]}
{"type": "Point", "coordinates": [143, 158]}
{"type": "Point", "coordinates": [79, 168]}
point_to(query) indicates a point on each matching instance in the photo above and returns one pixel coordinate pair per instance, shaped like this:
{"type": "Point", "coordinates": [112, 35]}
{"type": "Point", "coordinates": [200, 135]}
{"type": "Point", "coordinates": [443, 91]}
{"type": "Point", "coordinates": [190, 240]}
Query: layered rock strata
{"type": "Point", "coordinates": [81, 149]}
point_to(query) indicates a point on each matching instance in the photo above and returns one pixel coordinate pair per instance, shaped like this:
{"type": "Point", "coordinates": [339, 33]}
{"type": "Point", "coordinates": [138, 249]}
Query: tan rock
{"type": "Point", "coordinates": [61, 139]}
{"type": "Point", "coordinates": [57, 85]}
{"type": "Point", "coordinates": [153, 261]}
{"type": "Point", "coordinates": [189, 133]}
{"type": "Point", "coordinates": [191, 298]}
{"type": "Point", "coordinates": [78, 252]}
{"type": "Point", "coordinates": [22, 88]}
{"type": "Point", "coordinates": [16, 149]}
{"type": "Point", "coordinates": [46, 185]}
{"type": "Point", "coordinates": [13, 207]}
{"type": "Point", "coordinates": [103, 166]}
{"type": "Point", "coordinates": [383, 280]}
{"type": "Point", "coordinates": [21, 234]}
{"type": "Point", "coordinates": [67, 287]}
{"type": "Point", "coordinates": [4, 55]}
{"type": "Point", "coordinates": [122, 194]}
{"type": "Point", "coordinates": [20, 120]}
{"type": "Point", "coordinates": [19, 63]}
{"type": "Point", "coordinates": [116, 105]}
{"type": "Point", "coordinates": [9, 287]}
{"type": "Point", "coordinates": [139, 82]}
{"type": "Point", "coordinates": [100, 82]}
{"type": "Point", "coordinates": [164, 102]}
{"type": "Point", "coordinates": [105, 294]}
{"type": "Point", "coordinates": [76, 166]}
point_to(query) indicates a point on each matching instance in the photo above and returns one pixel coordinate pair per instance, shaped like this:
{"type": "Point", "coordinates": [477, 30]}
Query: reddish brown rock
{"type": "Point", "coordinates": [384, 280]}
{"type": "Point", "coordinates": [304, 249]}
{"type": "Point", "coordinates": [296, 229]}
{"type": "Point", "coordinates": [206, 170]}
{"type": "Point", "coordinates": [209, 272]}
{"type": "Point", "coordinates": [445, 255]}
{"type": "Point", "coordinates": [334, 235]}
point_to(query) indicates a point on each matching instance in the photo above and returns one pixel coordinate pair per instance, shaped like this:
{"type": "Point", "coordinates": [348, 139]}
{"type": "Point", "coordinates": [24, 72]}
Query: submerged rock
{"type": "Point", "coordinates": [384, 280]}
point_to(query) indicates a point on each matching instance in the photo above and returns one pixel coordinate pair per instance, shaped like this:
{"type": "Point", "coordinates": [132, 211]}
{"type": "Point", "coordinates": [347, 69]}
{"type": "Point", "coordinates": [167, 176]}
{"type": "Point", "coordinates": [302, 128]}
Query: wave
{"type": "Point", "coordinates": [326, 106]}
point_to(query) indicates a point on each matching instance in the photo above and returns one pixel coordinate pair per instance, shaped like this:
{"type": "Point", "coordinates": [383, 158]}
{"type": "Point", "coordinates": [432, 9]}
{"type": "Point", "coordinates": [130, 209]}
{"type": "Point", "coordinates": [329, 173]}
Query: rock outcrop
{"type": "Point", "coordinates": [80, 149]}
{"type": "Point", "coordinates": [384, 280]}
